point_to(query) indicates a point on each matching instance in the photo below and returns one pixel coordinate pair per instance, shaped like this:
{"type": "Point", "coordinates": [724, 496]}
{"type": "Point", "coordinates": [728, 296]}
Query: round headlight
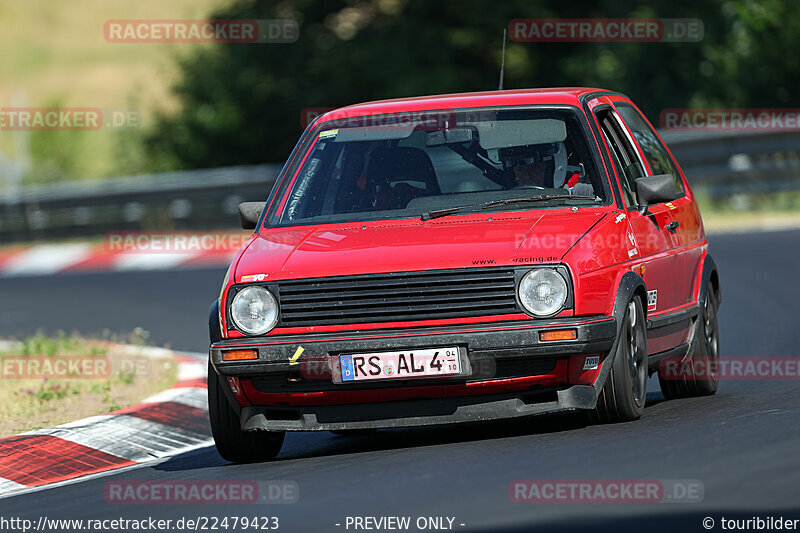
{"type": "Point", "coordinates": [254, 310]}
{"type": "Point", "coordinates": [543, 292]}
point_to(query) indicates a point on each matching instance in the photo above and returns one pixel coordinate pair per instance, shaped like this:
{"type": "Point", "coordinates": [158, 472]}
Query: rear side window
{"type": "Point", "coordinates": [654, 151]}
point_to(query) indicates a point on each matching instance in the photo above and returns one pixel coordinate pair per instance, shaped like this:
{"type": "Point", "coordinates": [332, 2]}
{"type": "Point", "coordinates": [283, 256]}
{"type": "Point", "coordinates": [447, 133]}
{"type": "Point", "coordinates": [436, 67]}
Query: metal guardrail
{"type": "Point", "coordinates": [197, 199]}
{"type": "Point", "coordinates": [717, 165]}
{"type": "Point", "coordinates": [727, 164]}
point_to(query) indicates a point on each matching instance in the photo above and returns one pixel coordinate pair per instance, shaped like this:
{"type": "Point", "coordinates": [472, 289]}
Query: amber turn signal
{"type": "Point", "coordinates": [558, 335]}
{"type": "Point", "coordinates": [239, 355]}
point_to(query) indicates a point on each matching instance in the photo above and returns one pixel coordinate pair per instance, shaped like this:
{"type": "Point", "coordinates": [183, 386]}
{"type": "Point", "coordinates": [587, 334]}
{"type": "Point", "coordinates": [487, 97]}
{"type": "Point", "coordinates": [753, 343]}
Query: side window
{"type": "Point", "coordinates": [654, 151]}
{"type": "Point", "coordinates": [624, 155]}
{"type": "Point", "coordinates": [628, 193]}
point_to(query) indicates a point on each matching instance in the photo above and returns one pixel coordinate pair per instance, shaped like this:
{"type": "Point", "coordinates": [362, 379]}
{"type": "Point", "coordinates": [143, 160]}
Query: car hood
{"type": "Point", "coordinates": [409, 245]}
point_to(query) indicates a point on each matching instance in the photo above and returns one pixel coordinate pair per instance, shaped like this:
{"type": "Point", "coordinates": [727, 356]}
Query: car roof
{"type": "Point", "coordinates": [552, 96]}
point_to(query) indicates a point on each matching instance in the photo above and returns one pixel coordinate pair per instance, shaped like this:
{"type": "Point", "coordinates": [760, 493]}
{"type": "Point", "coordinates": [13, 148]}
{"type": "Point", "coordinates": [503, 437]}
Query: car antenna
{"type": "Point", "coordinates": [502, 60]}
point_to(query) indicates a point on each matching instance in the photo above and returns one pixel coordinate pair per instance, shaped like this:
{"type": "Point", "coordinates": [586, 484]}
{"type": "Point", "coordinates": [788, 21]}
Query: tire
{"type": "Point", "coordinates": [699, 374]}
{"type": "Point", "coordinates": [232, 443]}
{"type": "Point", "coordinates": [625, 391]}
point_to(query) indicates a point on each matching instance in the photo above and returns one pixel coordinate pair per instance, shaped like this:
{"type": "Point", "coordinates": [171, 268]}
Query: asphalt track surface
{"type": "Point", "coordinates": [742, 444]}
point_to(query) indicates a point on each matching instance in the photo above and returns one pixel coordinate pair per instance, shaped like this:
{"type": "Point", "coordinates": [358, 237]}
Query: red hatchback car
{"type": "Point", "coordinates": [462, 258]}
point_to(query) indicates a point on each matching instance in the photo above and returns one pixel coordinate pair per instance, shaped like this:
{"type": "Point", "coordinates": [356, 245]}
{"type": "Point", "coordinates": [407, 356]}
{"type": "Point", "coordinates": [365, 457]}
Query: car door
{"type": "Point", "coordinates": [687, 225]}
{"type": "Point", "coordinates": [654, 243]}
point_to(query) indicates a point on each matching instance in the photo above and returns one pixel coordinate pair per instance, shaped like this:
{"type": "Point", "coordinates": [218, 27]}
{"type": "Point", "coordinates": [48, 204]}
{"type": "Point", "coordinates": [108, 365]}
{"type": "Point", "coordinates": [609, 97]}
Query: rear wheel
{"type": "Point", "coordinates": [232, 443]}
{"type": "Point", "coordinates": [625, 391]}
{"type": "Point", "coordinates": [698, 375]}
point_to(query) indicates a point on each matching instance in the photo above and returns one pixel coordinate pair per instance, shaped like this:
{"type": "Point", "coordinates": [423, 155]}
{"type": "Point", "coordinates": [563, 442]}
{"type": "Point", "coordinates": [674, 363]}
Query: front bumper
{"type": "Point", "coordinates": [514, 373]}
{"type": "Point", "coordinates": [508, 339]}
{"type": "Point", "coordinates": [416, 412]}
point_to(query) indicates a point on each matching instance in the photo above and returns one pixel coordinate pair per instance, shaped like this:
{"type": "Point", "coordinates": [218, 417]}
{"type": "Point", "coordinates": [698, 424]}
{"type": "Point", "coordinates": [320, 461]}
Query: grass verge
{"type": "Point", "coordinates": [742, 222]}
{"type": "Point", "coordinates": [47, 381]}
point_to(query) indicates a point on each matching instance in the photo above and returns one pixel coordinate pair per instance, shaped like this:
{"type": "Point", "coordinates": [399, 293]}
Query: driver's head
{"type": "Point", "coordinates": [530, 165]}
{"type": "Point", "coordinates": [530, 173]}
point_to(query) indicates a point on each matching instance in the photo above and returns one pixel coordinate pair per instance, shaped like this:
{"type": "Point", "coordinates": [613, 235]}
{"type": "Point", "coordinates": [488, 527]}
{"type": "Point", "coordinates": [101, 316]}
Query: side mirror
{"type": "Point", "coordinates": [249, 213]}
{"type": "Point", "coordinates": [654, 190]}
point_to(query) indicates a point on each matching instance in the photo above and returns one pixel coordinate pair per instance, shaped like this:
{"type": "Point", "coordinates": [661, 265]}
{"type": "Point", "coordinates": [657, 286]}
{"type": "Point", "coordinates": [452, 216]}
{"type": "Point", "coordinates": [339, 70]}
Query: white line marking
{"type": "Point", "coordinates": [152, 352]}
{"type": "Point", "coordinates": [46, 259]}
{"type": "Point", "coordinates": [191, 396]}
{"type": "Point", "coordinates": [83, 422]}
{"type": "Point", "coordinates": [142, 261]}
{"type": "Point", "coordinates": [128, 437]}
{"type": "Point", "coordinates": [203, 357]}
{"type": "Point", "coordinates": [187, 371]}
{"type": "Point", "coordinates": [6, 485]}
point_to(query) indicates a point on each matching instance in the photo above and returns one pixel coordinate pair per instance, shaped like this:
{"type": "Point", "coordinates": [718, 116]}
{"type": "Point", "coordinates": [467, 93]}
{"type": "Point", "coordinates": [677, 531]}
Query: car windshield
{"type": "Point", "coordinates": [409, 165]}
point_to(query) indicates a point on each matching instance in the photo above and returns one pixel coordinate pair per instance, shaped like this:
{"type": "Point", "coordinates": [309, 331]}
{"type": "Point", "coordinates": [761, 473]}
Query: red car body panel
{"type": "Point", "coordinates": [410, 245]}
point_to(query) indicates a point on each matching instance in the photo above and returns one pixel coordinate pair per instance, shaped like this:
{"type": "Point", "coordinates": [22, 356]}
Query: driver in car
{"type": "Point", "coordinates": [537, 166]}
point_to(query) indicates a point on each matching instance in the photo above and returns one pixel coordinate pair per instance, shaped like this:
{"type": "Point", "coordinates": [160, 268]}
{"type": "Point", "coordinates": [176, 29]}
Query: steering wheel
{"type": "Point", "coordinates": [527, 187]}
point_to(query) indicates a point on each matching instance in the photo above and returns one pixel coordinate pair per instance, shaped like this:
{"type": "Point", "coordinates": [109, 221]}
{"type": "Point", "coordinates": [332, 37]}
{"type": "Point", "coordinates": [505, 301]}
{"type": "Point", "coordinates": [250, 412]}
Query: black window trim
{"type": "Point", "coordinates": [637, 150]}
{"type": "Point", "coordinates": [632, 145]}
{"type": "Point", "coordinates": [658, 139]}
{"type": "Point", "coordinates": [594, 126]}
{"type": "Point", "coordinates": [617, 164]}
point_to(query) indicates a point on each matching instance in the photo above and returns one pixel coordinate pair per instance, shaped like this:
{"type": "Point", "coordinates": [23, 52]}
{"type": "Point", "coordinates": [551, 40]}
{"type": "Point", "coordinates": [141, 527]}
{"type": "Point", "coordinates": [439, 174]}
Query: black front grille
{"type": "Point", "coordinates": [397, 297]}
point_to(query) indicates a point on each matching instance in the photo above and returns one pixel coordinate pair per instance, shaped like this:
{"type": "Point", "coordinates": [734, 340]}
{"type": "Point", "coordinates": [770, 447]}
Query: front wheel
{"type": "Point", "coordinates": [232, 443]}
{"type": "Point", "coordinates": [625, 391]}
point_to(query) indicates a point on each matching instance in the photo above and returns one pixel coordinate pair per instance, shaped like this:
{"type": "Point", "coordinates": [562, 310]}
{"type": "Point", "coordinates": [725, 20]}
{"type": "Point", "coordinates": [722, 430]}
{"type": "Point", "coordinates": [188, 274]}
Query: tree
{"type": "Point", "coordinates": [241, 103]}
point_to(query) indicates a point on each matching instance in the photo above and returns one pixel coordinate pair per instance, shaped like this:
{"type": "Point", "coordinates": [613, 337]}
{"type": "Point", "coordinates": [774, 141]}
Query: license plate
{"type": "Point", "coordinates": [406, 364]}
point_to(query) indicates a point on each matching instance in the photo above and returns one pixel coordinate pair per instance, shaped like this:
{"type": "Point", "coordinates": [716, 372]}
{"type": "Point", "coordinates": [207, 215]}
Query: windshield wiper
{"type": "Point", "coordinates": [537, 198]}
{"type": "Point", "coordinates": [485, 205]}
